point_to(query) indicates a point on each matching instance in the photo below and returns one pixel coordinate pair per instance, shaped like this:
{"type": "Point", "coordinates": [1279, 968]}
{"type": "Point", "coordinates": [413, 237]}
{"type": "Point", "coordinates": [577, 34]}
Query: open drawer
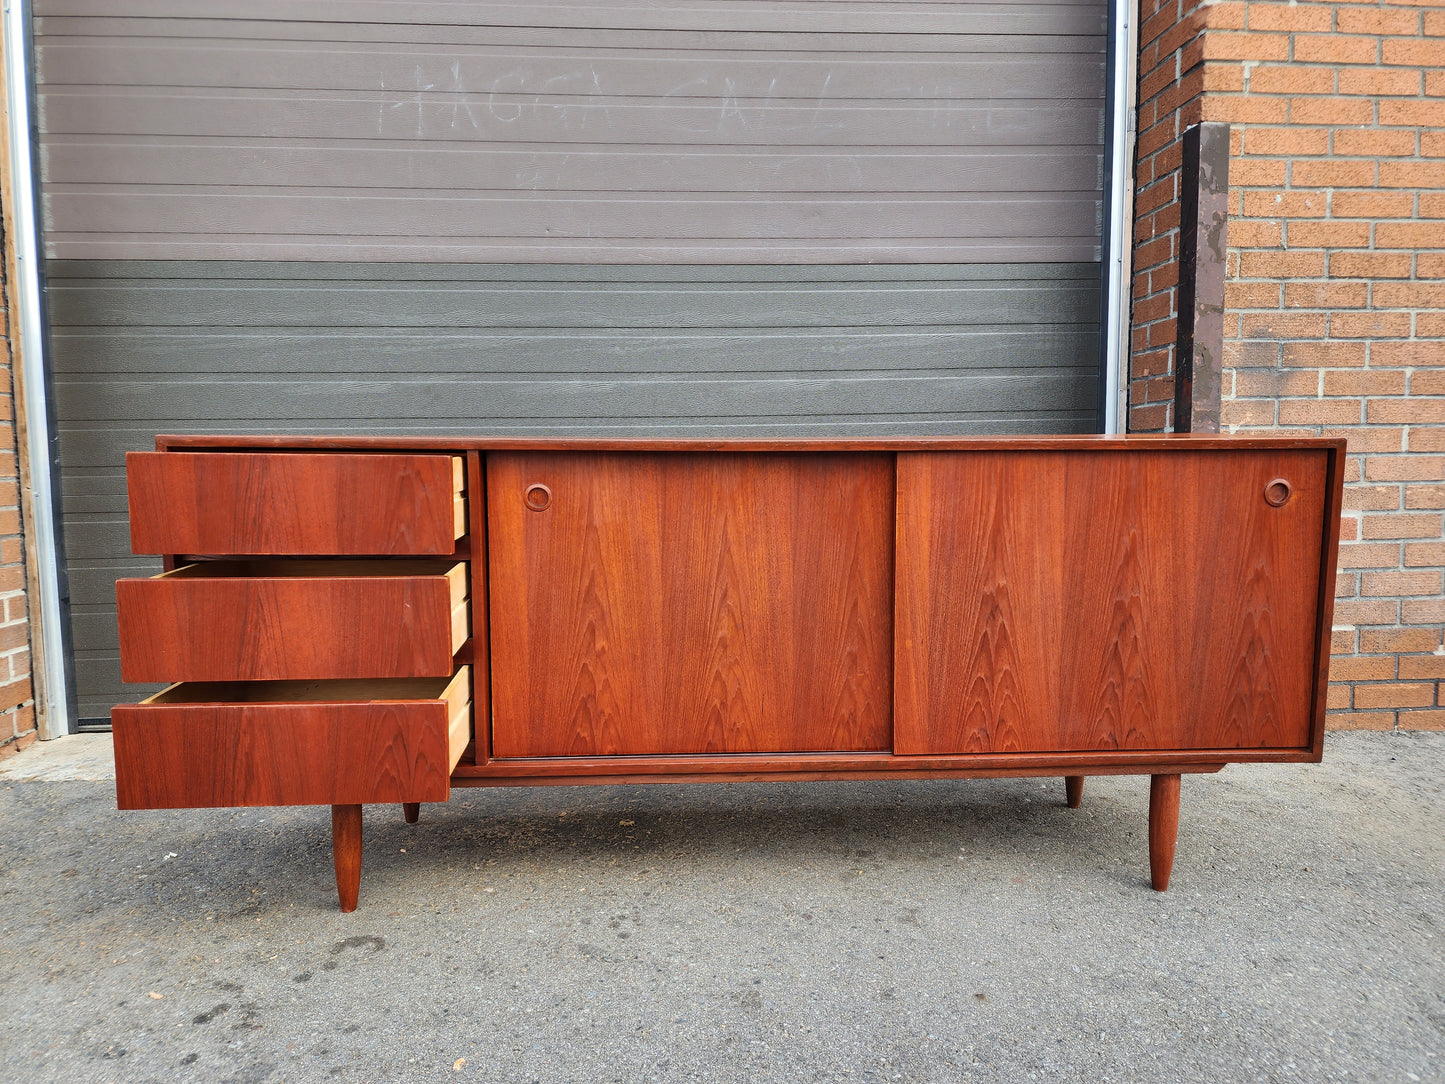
{"type": "Point", "coordinates": [279, 620]}
{"type": "Point", "coordinates": [292, 743]}
{"type": "Point", "coordinates": [249, 503]}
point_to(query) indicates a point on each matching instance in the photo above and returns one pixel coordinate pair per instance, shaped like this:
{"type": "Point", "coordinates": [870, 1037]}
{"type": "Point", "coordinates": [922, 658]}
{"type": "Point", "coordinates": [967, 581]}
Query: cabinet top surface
{"type": "Point", "coordinates": [1094, 443]}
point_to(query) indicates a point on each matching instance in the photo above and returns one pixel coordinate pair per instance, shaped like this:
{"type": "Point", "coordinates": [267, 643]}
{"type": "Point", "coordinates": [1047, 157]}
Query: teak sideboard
{"type": "Point", "coordinates": [363, 620]}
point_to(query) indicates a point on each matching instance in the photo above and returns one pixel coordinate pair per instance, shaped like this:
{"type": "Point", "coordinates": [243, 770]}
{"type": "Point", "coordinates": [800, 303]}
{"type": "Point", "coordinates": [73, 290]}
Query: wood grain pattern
{"type": "Point", "coordinates": [1074, 790]}
{"type": "Point", "coordinates": [254, 620]}
{"type": "Point", "coordinates": [1163, 828]}
{"type": "Point", "coordinates": [690, 604]}
{"type": "Point", "coordinates": [1056, 601]}
{"type": "Point", "coordinates": [296, 504]}
{"type": "Point", "coordinates": [346, 853]}
{"type": "Point", "coordinates": [209, 746]}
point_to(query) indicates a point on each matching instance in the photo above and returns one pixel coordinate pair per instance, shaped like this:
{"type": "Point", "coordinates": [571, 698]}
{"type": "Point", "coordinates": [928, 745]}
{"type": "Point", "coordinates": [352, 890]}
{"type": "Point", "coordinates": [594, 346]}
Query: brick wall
{"type": "Point", "coordinates": [1335, 300]}
{"type": "Point", "coordinates": [17, 704]}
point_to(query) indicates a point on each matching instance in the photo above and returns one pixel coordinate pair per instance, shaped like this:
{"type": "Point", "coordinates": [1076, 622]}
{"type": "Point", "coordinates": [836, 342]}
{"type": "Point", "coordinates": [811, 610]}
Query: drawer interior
{"type": "Point", "coordinates": [347, 690]}
{"type": "Point", "coordinates": [454, 690]}
{"type": "Point", "coordinates": [287, 568]}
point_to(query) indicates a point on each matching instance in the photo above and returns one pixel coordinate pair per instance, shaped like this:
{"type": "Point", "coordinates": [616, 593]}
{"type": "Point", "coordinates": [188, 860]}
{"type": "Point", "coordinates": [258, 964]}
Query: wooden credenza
{"type": "Point", "coordinates": [366, 620]}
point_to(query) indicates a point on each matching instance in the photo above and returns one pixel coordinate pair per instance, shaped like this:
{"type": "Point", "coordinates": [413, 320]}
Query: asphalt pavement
{"type": "Point", "coordinates": [876, 931]}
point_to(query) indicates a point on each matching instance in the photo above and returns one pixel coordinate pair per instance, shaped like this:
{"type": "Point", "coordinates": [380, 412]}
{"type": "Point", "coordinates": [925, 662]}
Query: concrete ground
{"type": "Point", "coordinates": [910, 931]}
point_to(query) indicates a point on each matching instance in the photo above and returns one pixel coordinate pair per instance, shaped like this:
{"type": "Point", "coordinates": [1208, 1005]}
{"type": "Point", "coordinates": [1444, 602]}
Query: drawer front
{"type": "Point", "coordinates": [294, 503]}
{"type": "Point", "coordinates": [176, 755]}
{"type": "Point", "coordinates": [195, 627]}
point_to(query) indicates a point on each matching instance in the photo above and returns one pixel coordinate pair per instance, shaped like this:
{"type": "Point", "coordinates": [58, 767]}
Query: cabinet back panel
{"type": "Point", "coordinates": [1076, 601]}
{"type": "Point", "coordinates": [691, 603]}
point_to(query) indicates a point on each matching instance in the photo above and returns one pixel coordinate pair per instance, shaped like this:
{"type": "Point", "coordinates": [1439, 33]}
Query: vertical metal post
{"type": "Point", "coordinates": [1117, 232]}
{"type": "Point", "coordinates": [52, 697]}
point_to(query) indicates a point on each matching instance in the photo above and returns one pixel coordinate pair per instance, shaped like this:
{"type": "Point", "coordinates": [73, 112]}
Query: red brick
{"type": "Point", "coordinates": [1370, 325]}
{"type": "Point", "coordinates": [1295, 17]}
{"type": "Point", "coordinates": [1258, 233]}
{"type": "Point", "coordinates": [1324, 355]}
{"type": "Point", "coordinates": [1387, 641]}
{"type": "Point", "coordinates": [1406, 354]}
{"type": "Point", "coordinates": [1425, 496]}
{"type": "Point", "coordinates": [1288, 79]}
{"type": "Point", "coordinates": [1369, 440]}
{"type": "Point", "coordinates": [1372, 499]}
{"type": "Point", "coordinates": [1369, 265]}
{"type": "Point", "coordinates": [1319, 412]}
{"type": "Point", "coordinates": [1373, 20]}
{"type": "Point", "coordinates": [1286, 265]}
{"type": "Point", "coordinates": [1429, 381]}
{"type": "Point", "coordinates": [1378, 584]}
{"type": "Point", "coordinates": [1363, 668]}
{"type": "Point", "coordinates": [1375, 611]}
{"type": "Point", "coordinates": [1422, 720]}
{"type": "Point", "coordinates": [1286, 141]}
{"type": "Point", "coordinates": [1377, 82]}
{"type": "Point", "coordinates": [1333, 110]}
{"type": "Point", "coordinates": [1283, 204]}
{"type": "Point", "coordinates": [1329, 234]}
{"type": "Point", "coordinates": [1413, 174]}
{"type": "Point", "coordinates": [1280, 324]}
{"type": "Point", "coordinates": [1424, 553]}
{"type": "Point", "coordinates": [1405, 468]}
{"type": "Point", "coordinates": [1411, 234]}
{"type": "Point", "coordinates": [1370, 554]}
{"type": "Point", "coordinates": [1256, 355]}
{"type": "Point", "coordinates": [1274, 383]}
{"type": "Point", "coordinates": [1428, 265]}
{"type": "Point", "coordinates": [1258, 172]}
{"type": "Point", "coordinates": [1335, 49]}
{"type": "Point", "coordinates": [1419, 668]}
{"type": "Point", "coordinates": [1247, 412]}
{"type": "Point", "coordinates": [1427, 440]}
{"type": "Point", "coordinates": [1375, 143]}
{"type": "Point", "coordinates": [1227, 77]}
{"type": "Point", "coordinates": [1251, 295]}
{"type": "Point", "coordinates": [1337, 173]}
{"type": "Point", "coordinates": [1225, 45]}
{"type": "Point", "coordinates": [1405, 411]}
{"type": "Point", "coordinates": [1395, 695]}
{"type": "Point", "coordinates": [1337, 697]}
{"type": "Point", "coordinates": [1432, 204]}
{"type": "Point", "coordinates": [1422, 611]}
{"type": "Point", "coordinates": [1411, 52]}
{"type": "Point", "coordinates": [1372, 205]}
{"type": "Point", "coordinates": [1264, 110]}
{"type": "Point", "coordinates": [1320, 295]}
{"type": "Point", "coordinates": [1402, 525]}
{"type": "Point", "coordinates": [1430, 325]}
{"type": "Point", "coordinates": [1365, 382]}
{"type": "Point", "coordinates": [1360, 720]}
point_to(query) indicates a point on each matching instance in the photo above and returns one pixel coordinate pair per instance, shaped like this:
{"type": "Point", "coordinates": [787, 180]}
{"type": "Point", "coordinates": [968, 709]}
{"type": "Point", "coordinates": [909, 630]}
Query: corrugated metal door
{"type": "Point", "coordinates": [721, 217]}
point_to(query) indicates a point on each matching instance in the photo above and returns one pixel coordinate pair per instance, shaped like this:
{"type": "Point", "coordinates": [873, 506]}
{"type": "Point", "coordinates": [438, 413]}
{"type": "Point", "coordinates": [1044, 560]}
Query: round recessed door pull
{"type": "Point", "coordinates": [1277, 492]}
{"type": "Point", "coordinates": [537, 497]}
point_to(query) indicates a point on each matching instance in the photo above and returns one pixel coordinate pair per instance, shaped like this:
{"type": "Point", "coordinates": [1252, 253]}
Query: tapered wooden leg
{"type": "Point", "coordinates": [1074, 790]}
{"type": "Point", "coordinates": [346, 849]}
{"type": "Point", "coordinates": [411, 811]}
{"type": "Point", "coordinates": [1163, 828]}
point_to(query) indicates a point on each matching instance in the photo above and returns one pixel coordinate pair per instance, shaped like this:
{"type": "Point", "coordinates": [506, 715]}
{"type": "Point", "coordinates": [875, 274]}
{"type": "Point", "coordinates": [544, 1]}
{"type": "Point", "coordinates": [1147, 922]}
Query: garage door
{"type": "Point", "coordinates": [632, 217]}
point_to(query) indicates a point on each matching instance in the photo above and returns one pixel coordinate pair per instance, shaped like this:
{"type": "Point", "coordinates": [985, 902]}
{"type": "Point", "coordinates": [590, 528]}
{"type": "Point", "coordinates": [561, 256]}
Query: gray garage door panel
{"type": "Point", "coordinates": [139, 349]}
{"type": "Point", "coordinates": [711, 132]}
